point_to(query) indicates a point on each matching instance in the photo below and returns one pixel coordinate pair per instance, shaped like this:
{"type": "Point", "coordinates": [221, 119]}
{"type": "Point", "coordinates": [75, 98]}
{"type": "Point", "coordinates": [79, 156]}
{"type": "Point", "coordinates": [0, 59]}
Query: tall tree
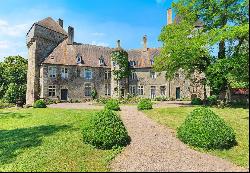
{"type": "Point", "coordinates": [13, 75]}
{"type": "Point", "coordinates": [225, 23]}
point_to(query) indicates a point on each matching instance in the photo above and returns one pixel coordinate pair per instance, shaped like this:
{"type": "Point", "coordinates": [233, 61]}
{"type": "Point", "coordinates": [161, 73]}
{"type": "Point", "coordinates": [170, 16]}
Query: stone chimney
{"type": "Point", "coordinates": [145, 48]}
{"type": "Point", "coordinates": [60, 22]}
{"type": "Point", "coordinates": [70, 35]}
{"type": "Point", "coordinates": [118, 44]}
{"type": "Point", "coordinates": [169, 16]}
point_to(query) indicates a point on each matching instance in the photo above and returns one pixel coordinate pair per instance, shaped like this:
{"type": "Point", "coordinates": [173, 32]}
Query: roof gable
{"type": "Point", "coordinates": [51, 24]}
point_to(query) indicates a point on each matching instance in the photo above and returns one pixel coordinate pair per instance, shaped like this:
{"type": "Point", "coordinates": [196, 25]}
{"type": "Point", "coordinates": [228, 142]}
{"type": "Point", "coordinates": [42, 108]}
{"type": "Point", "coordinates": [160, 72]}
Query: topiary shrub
{"type": "Point", "coordinates": [112, 104]}
{"type": "Point", "coordinates": [203, 128]}
{"type": "Point", "coordinates": [39, 104]}
{"type": "Point", "coordinates": [196, 101]}
{"type": "Point", "coordinates": [105, 130]}
{"type": "Point", "coordinates": [144, 104]}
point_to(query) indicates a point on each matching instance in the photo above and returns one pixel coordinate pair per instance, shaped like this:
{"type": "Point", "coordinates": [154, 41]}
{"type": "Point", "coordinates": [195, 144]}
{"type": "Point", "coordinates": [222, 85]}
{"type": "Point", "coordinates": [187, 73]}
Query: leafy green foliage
{"type": "Point", "coordinates": [145, 104]}
{"type": "Point", "coordinates": [203, 128]}
{"type": "Point", "coordinates": [15, 92]}
{"type": "Point", "coordinates": [223, 24]}
{"type": "Point", "coordinates": [13, 74]}
{"type": "Point", "coordinates": [93, 94]}
{"type": "Point", "coordinates": [102, 100]}
{"type": "Point", "coordinates": [120, 57]}
{"type": "Point", "coordinates": [212, 100]}
{"type": "Point", "coordinates": [4, 104]}
{"type": "Point", "coordinates": [196, 101]}
{"type": "Point", "coordinates": [39, 104]}
{"type": "Point", "coordinates": [105, 130]}
{"type": "Point", "coordinates": [112, 104]}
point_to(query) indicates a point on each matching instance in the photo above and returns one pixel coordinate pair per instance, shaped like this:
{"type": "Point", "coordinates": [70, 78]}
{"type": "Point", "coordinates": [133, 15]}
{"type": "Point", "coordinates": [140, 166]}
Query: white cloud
{"type": "Point", "coordinates": [4, 45]}
{"type": "Point", "coordinates": [100, 44]}
{"type": "Point", "coordinates": [13, 30]}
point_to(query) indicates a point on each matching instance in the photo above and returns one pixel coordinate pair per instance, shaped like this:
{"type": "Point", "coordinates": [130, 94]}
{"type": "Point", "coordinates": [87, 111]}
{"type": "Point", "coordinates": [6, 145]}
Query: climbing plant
{"type": "Point", "coordinates": [120, 57]}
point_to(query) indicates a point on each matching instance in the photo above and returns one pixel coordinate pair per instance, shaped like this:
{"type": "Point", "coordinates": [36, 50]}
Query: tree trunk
{"type": "Point", "coordinates": [222, 50]}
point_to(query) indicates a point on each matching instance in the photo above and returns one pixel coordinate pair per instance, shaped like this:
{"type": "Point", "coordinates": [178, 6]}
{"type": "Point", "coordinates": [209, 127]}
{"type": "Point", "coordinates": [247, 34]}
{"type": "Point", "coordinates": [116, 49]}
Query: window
{"type": "Point", "coordinates": [52, 72]}
{"type": "Point", "coordinates": [132, 63]}
{"type": "Point", "coordinates": [163, 90]}
{"type": "Point", "coordinates": [140, 90]}
{"type": "Point", "coordinates": [132, 89]}
{"type": "Point", "coordinates": [107, 89]}
{"type": "Point", "coordinates": [87, 90]}
{"type": "Point", "coordinates": [88, 74]}
{"type": "Point", "coordinates": [153, 92]}
{"type": "Point", "coordinates": [79, 59]}
{"type": "Point", "coordinates": [52, 91]}
{"type": "Point", "coordinates": [101, 60]}
{"type": "Point", "coordinates": [152, 75]}
{"type": "Point", "coordinates": [64, 73]}
{"type": "Point", "coordinates": [107, 75]}
{"type": "Point", "coordinates": [133, 76]}
{"type": "Point", "coordinates": [177, 75]}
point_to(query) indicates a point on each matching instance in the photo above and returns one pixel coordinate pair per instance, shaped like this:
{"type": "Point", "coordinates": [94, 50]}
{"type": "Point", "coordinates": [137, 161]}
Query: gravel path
{"type": "Point", "coordinates": [154, 148]}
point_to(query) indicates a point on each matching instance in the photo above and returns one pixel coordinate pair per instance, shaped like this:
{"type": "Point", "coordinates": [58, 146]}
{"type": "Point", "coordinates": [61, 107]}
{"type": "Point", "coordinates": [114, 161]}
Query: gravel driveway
{"type": "Point", "coordinates": [154, 148]}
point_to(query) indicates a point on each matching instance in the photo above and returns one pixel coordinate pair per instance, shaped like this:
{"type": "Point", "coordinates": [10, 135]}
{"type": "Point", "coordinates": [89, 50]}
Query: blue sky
{"type": "Point", "coordinates": [99, 22]}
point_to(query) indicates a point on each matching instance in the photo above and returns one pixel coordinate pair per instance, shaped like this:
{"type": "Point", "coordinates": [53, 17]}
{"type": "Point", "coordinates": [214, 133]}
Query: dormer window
{"type": "Point", "coordinates": [101, 60]}
{"type": "Point", "coordinates": [132, 63]}
{"type": "Point", "coordinates": [79, 59]}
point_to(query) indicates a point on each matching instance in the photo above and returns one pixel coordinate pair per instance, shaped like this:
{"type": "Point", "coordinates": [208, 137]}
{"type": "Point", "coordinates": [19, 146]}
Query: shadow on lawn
{"type": "Point", "coordinates": [4, 115]}
{"type": "Point", "coordinates": [12, 142]}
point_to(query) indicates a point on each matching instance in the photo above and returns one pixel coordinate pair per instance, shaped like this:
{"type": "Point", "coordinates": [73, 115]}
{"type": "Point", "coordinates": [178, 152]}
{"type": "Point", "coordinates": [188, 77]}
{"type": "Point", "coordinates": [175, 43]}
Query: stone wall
{"type": "Point", "coordinates": [40, 42]}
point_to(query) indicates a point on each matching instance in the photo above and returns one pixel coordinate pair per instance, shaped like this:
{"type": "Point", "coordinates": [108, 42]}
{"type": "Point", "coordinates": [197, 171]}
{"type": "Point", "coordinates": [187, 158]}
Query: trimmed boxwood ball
{"type": "Point", "coordinates": [112, 104]}
{"type": "Point", "coordinates": [105, 130]}
{"type": "Point", "coordinates": [203, 128]}
{"type": "Point", "coordinates": [144, 104]}
{"type": "Point", "coordinates": [39, 104]}
{"type": "Point", "coordinates": [196, 101]}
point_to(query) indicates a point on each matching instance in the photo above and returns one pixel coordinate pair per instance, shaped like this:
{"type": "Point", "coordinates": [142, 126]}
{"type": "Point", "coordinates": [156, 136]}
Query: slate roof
{"type": "Point", "coordinates": [65, 54]}
{"type": "Point", "coordinates": [51, 24]}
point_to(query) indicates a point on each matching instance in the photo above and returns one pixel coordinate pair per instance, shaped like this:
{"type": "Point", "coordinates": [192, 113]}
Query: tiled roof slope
{"type": "Point", "coordinates": [66, 54]}
{"type": "Point", "coordinates": [51, 24]}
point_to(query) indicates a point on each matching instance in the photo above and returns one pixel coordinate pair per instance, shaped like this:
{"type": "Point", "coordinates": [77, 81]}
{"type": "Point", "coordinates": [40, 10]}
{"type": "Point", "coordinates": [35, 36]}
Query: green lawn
{"type": "Point", "coordinates": [48, 140]}
{"type": "Point", "coordinates": [238, 118]}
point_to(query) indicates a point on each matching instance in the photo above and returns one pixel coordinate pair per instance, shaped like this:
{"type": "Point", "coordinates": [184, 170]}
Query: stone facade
{"type": "Point", "coordinates": [59, 68]}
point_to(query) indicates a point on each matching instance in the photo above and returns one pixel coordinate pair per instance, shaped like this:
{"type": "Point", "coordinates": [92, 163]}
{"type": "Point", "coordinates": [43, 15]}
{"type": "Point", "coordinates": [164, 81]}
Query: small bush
{"type": "Point", "coordinates": [196, 101]}
{"type": "Point", "coordinates": [5, 104]}
{"type": "Point", "coordinates": [212, 100]}
{"type": "Point", "coordinates": [105, 130]}
{"type": "Point", "coordinates": [161, 98]}
{"type": "Point", "coordinates": [39, 104]}
{"type": "Point", "coordinates": [102, 100]}
{"type": "Point", "coordinates": [145, 104]}
{"type": "Point", "coordinates": [112, 104]}
{"type": "Point", "coordinates": [203, 128]}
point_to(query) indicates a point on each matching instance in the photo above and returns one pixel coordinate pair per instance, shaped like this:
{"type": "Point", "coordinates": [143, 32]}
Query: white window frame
{"type": "Point", "coordinates": [133, 89]}
{"type": "Point", "coordinates": [85, 75]}
{"type": "Point", "coordinates": [87, 85]}
{"type": "Point", "coordinates": [65, 73]}
{"type": "Point", "coordinates": [132, 63]}
{"type": "Point", "coordinates": [153, 75]}
{"type": "Point", "coordinates": [107, 89]}
{"type": "Point", "coordinates": [133, 76]}
{"type": "Point", "coordinates": [101, 61]}
{"type": "Point", "coordinates": [52, 71]}
{"type": "Point", "coordinates": [152, 96]}
{"type": "Point", "coordinates": [52, 89]}
{"type": "Point", "coordinates": [140, 90]}
{"type": "Point", "coordinates": [163, 90]}
{"type": "Point", "coordinates": [152, 62]}
{"type": "Point", "coordinates": [107, 75]}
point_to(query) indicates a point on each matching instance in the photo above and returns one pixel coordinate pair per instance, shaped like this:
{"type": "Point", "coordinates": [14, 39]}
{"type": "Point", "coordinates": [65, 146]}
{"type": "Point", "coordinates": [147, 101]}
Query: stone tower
{"type": "Point", "coordinates": [42, 38]}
